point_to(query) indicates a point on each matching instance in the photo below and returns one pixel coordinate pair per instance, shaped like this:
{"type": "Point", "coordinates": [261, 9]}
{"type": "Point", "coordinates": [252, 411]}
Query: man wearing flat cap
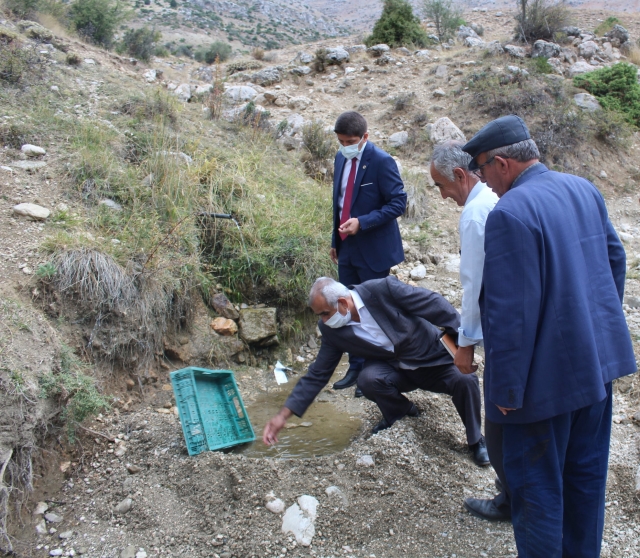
{"type": "Point", "coordinates": [555, 338]}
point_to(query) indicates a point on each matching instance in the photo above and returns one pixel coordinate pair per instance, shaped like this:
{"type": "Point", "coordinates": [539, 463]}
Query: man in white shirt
{"type": "Point", "coordinates": [449, 170]}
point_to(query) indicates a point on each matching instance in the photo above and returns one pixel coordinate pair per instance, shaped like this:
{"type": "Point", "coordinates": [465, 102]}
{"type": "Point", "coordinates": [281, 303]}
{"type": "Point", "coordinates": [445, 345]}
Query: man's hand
{"type": "Point", "coordinates": [504, 410]}
{"type": "Point", "coordinates": [333, 255]}
{"type": "Point", "coordinates": [350, 226]}
{"type": "Point", "coordinates": [464, 360]}
{"type": "Point", "coordinates": [271, 429]}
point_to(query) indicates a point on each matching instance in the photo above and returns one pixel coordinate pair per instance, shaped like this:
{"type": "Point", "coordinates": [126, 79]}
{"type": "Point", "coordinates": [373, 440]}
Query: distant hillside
{"type": "Point", "coordinates": [269, 24]}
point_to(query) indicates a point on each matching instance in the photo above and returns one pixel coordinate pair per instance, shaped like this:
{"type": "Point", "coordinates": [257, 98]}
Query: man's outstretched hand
{"type": "Point", "coordinates": [271, 429]}
{"type": "Point", "coordinates": [464, 360]}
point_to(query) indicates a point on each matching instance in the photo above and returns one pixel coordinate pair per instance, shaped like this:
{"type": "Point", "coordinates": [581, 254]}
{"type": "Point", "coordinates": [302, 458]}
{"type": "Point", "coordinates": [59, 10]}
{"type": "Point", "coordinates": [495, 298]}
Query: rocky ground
{"type": "Point", "coordinates": [129, 489]}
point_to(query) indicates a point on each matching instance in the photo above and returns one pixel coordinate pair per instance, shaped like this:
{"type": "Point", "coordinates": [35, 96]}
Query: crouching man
{"type": "Point", "coordinates": [395, 328]}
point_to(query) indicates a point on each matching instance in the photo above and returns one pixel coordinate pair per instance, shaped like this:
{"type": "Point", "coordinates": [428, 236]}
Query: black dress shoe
{"type": "Point", "coordinates": [480, 455]}
{"type": "Point", "coordinates": [486, 509]}
{"type": "Point", "coordinates": [382, 425]}
{"type": "Point", "coordinates": [414, 411]}
{"type": "Point", "coordinates": [358, 393]}
{"type": "Point", "coordinates": [350, 379]}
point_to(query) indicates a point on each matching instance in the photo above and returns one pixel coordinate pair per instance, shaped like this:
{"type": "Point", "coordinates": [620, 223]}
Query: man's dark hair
{"type": "Point", "coordinates": [351, 123]}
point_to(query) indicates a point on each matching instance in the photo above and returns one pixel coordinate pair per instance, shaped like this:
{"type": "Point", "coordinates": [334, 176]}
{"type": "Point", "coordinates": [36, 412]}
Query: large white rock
{"type": "Point", "coordinates": [201, 90]}
{"type": "Point", "coordinates": [150, 76]}
{"type": "Point", "coordinates": [444, 130]}
{"type": "Point", "coordinates": [545, 49]}
{"type": "Point", "coordinates": [418, 272]}
{"type": "Point", "coordinates": [32, 150]}
{"type": "Point", "coordinates": [516, 51]}
{"type": "Point", "coordinates": [588, 49]}
{"type": "Point", "coordinates": [240, 93]}
{"type": "Point", "coordinates": [33, 211]}
{"type": "Point", "coordinates": [183, 92]}
{"type": "Point", "coordinates": [580, 67]}
{"type": "Point", "coordinates": [474, 42]}
{"type": "Point", "coordinates": [299, 520]}
{"type": "Point", "coordinates": [587, 102]}
{"type": "Point", "coordinates": [338, 54]}
{"type": "Point", "coordinates": [398, 139]}
{"type": "Point", "coordinates": [299, 103]}
{"type": "Point", "coordinates": [378, 50]}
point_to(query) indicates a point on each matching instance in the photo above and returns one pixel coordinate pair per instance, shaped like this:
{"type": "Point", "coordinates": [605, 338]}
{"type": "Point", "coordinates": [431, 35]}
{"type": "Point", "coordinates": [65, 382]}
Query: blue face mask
{"type": "Point", "coordinates": [350, 151]}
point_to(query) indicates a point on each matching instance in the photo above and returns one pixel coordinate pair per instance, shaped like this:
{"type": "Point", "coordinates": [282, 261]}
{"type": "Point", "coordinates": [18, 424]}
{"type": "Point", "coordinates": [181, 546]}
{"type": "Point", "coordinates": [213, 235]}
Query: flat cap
{"type": "Point", "coordinates": [506, 130]}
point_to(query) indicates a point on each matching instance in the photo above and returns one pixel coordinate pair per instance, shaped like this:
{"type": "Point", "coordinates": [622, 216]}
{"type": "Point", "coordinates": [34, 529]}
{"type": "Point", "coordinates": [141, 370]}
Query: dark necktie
{"type": "Point", "coordinates": [348, 194]}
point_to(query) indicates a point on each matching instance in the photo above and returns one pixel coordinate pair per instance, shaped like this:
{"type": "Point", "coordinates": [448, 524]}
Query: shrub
{"type": "Point", "coordinates": [96, 20]}
{"type": "Point", "coordinates": [73, 59]}
{"type": "Point", "coordinates": [243, 66]}
{"type": "Point", "coordinates": [541, 65]}
{"type": "Point", "coordinates": [12, 135]}
{"type": "Point", "coordinates": [397, 26]}
{"type": "Point", "coordinates": [17, 65]}
{"type": "Point", "coordinates": [140, 43]}
{"type": "Point", "coordinates": [616, 88]}
{"type": "Point", "coordinates": [611, 128]}
{"type": "Point", "coordinates": [161, 107]}
{"type": "Point", "coordinates": [445, 17]}
{"type": "Point", "coordinates": [258, 53]}
{"type": "Point", "coordinates": [217, 51]}
{"type": "Point", "coordinates": [24, 9]}
{"type": "Point", "coordinates": [606, 26]}
{"type": "Point", "coordinates": [319, 148]}
{"type": "Point", "coordinates": [540, 19]}
{"type": "Point", "coordinates": [403, 101]}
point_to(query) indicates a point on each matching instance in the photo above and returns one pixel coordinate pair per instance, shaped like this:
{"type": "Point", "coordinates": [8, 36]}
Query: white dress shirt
{"type": "Point", "coordinates": [479, 204]}
{"type": "Point", "coordinates": [345, 176]}
{"type": "Point", "coordinates": [368, 329]}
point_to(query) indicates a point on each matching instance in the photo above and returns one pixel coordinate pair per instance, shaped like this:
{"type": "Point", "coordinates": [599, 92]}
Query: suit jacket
{"type": "Point", "coordinates": [378, 200]}
{"type": "Point", "coordinates": [554, 272]}
{"type": "Point", "coordinates": [407, 315]}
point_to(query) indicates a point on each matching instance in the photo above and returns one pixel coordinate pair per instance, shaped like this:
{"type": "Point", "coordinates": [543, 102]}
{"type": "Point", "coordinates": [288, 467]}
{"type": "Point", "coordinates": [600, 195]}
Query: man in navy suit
{"type": "Point", "coordinates": [555, 338]}
{"type": "Point", "coordinates": [368, 197]}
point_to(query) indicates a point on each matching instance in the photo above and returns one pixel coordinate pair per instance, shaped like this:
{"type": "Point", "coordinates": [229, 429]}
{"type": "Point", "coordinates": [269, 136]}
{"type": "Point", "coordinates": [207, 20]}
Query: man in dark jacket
{"type": "Point", "coordinates": [395, 329]}
{"type": "Point", "coordinates": [368, 197]}
{"type": "Point", "coordinates": [555, 338]}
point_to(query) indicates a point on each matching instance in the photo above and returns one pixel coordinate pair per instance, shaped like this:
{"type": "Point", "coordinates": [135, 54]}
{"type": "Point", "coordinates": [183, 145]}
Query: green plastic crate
{"type": "Point", "coordinates": [211, 409]}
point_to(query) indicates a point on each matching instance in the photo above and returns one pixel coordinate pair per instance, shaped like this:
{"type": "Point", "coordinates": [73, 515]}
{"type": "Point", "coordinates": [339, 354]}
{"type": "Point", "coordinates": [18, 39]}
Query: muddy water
{"type": "Point", "coordinates": [325, 428]}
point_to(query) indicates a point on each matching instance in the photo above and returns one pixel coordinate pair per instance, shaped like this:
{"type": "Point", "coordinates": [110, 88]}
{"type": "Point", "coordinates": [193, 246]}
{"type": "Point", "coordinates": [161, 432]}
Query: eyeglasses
{"type": "Point", "coordinates": [478, 171]}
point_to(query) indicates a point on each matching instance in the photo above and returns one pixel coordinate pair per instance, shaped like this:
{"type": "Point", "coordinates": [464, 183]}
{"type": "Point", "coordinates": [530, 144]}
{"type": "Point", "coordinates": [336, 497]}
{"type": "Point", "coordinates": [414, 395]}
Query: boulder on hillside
{"type": "Point", "coordinates": [588, 49]}
{"type": "Point", "coordinates": [581, 67]}
{"type": "Point", "coordinates": [35, 31]}
{"type": "Point", "coordinates": [31, 210]}
{"type": "Point", "coordinates": [545, 49]}
{"type": "Point", "coordinates": [474, 42]}
{"type": "Point", "coordinates": [494, 48]}
{"type": "Point", "coordinates": [571, 31]}
{"type": "Point", "coordinates": [464, 32]}
{"type": "Point", "coordinates": [587, 102]}
{"type": "Point", "coordinates": [259, 326]}
{"type": "Point", "coordinates": [378, 50]}
{"type": "Point", "coordinates": [267, 76]}
{"type": "Point", "coordinates": [32, 150]}
{"type": "Point", "coordinates": [304, 57]}
{"type": "Point", "coordinates": [354, 49]}
{"type": "Point", "coordinates": [443, 130]}
{"type": "Point", "coordinates": [515, 51]}
{"type": "Point", "coordinates": [337, 55]}
{"type": "Point", "coordinates": [398, 139]}
{"type": "Point", "coordinates": [240, 93]}
{"type": "Point", "coordinates": [300, 70]}
{"type": "Point", "coordinates": [224, 326]}
{"type": "Point", "coordinates": [441, 71]}
{"type": "Point", "coordinates": [183, 92]}
{"type": "Point", "coordinates": [425, 54]}
{"type": "Point", "coordinates": [618, 32]}
{"type": "Point", "coordinates": [299, 103]}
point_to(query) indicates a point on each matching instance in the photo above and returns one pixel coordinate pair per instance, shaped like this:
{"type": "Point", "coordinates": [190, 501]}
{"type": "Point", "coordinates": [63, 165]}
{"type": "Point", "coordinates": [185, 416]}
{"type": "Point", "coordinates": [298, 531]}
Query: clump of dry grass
{"type": "Point", "coordinates": [130, 308]}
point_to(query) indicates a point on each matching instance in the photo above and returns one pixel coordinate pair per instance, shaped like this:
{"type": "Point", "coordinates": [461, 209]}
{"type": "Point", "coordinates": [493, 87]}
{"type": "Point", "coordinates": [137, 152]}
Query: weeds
{"type": "Point", "coordinates": [214, 100]}
{"type": "Point", "coordinates": [403, 101]}
{"type": "Point", "coordinates": [606, 26]}
{"type": "Point", "coordinates": [243, 66]}
{"type": "Point", "coordinates": [73, 59]}
{"type": "Point", "coordinates": [257, 53]}
{"type": "Point", "coordinates": [160, 107]}
{"type": "Point", "coordinates": [319, 149]}
{"type": "Point", "coordinates": [18, 66]}
{"type": "Point", "coordinates": [541, 19]}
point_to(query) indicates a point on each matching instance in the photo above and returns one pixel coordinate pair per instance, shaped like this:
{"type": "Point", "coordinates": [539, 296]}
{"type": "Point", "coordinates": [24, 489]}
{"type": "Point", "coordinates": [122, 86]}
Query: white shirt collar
{"type": "Point", "coordinates": [475, 191]}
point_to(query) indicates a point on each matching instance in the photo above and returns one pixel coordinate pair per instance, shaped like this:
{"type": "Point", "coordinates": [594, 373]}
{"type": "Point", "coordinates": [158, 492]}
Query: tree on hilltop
{"type": "Point", "coordinates": [397, 26]}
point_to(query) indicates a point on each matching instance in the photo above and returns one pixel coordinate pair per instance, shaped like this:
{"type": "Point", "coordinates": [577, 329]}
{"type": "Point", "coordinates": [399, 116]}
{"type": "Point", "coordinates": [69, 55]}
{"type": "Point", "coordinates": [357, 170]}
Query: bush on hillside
{"type": "Point", "coordinates": [23, 9]}
{"type": "Point", "coordinates": [616, 88]}
{"type": "Point", "coordinates": [96, 20]}
{"type": "Point", "coordinates": [445, 17]}
{"type": "Point", "coordinates": [319, 148]}
{"type": "Point", "coordinates": [541, 19]}
{"type": "Point", "coordinates": [606, 26]}
{"type": "Point", "coordinates": [140, 43]}
{"type": "Point", "coordinates": [397, 26]}
{"type": "Point", "coordinates": [217, 51]}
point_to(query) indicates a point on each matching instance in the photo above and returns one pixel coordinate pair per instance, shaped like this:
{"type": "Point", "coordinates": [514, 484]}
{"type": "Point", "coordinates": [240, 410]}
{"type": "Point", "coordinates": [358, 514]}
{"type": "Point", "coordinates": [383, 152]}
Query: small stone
{"type": "Point", "coordinates": [129, 552]}
{"type": "Point", "coordinates": [306, 424]}
{"type": "Point", "coordinates": [141, 554]}
{"type": "Point", "coordinates": [335, 492]}
{"type": "Point", "coordinates": [124, 506]}
{"type": "Point", "coordinates": [41, 527]}
{"type": "Point", "coordinates": [515, 51]}
{"type": "Point", "coordinates": [120, 450]}
{"type": "Point", "coordinates": [439, 93]}
{"type": "Point", "coordinates": [418, 272]}
{"type": "Point", "coordinates": [41, 508]}
{"type": "Point", "coordinates": [33, 211]}
{"type": "Point", "coordinates": [603, 174]}
{"type": "Point", "coordinates": [299, 520]}
{"type": "Point", "coordinates": [90, 61]}
{"type": "Point", "coordinates": [66, 535]}
{"type": "Point", "coordinates": [224, 326]}
{"type": "Point", "coordinates": [28, 165]}
{"type": "Point", "coordinates": [32, 150]}
{"type": "Point", "coordinates": [275, 506]}
{"type": "Point", "coordinates": [636, 416]}
{"type": "Point", "coordinates": [398, 139]}
{"type": "Point", "coordinates": [365, 461]}
{"type": "Point", "coordinates": [133, 469]}
{"type": "Point", "coordinates": [444, 129]}
{"type": "Point", "coordinates": [111, 204]}
{"type": "Point", "coordinates": [442, 71]}
{"type": "Point", "coordinates": [53, 517]}
{"type": "Point", "coordinates": [56, 552]}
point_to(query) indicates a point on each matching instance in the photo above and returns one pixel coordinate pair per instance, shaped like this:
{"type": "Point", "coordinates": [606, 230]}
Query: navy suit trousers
{"type": "Point", "coordinates": [353, 270]}
{"type": "Point", "coordinates": [556, 470]}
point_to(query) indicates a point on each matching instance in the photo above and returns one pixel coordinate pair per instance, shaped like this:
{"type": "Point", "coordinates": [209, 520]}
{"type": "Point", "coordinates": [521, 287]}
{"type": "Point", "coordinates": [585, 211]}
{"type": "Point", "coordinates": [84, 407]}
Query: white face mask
{"type": "Point", "coordinates": [350, 151]}
{"type": "Point", "coordinates": [338, 320]}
